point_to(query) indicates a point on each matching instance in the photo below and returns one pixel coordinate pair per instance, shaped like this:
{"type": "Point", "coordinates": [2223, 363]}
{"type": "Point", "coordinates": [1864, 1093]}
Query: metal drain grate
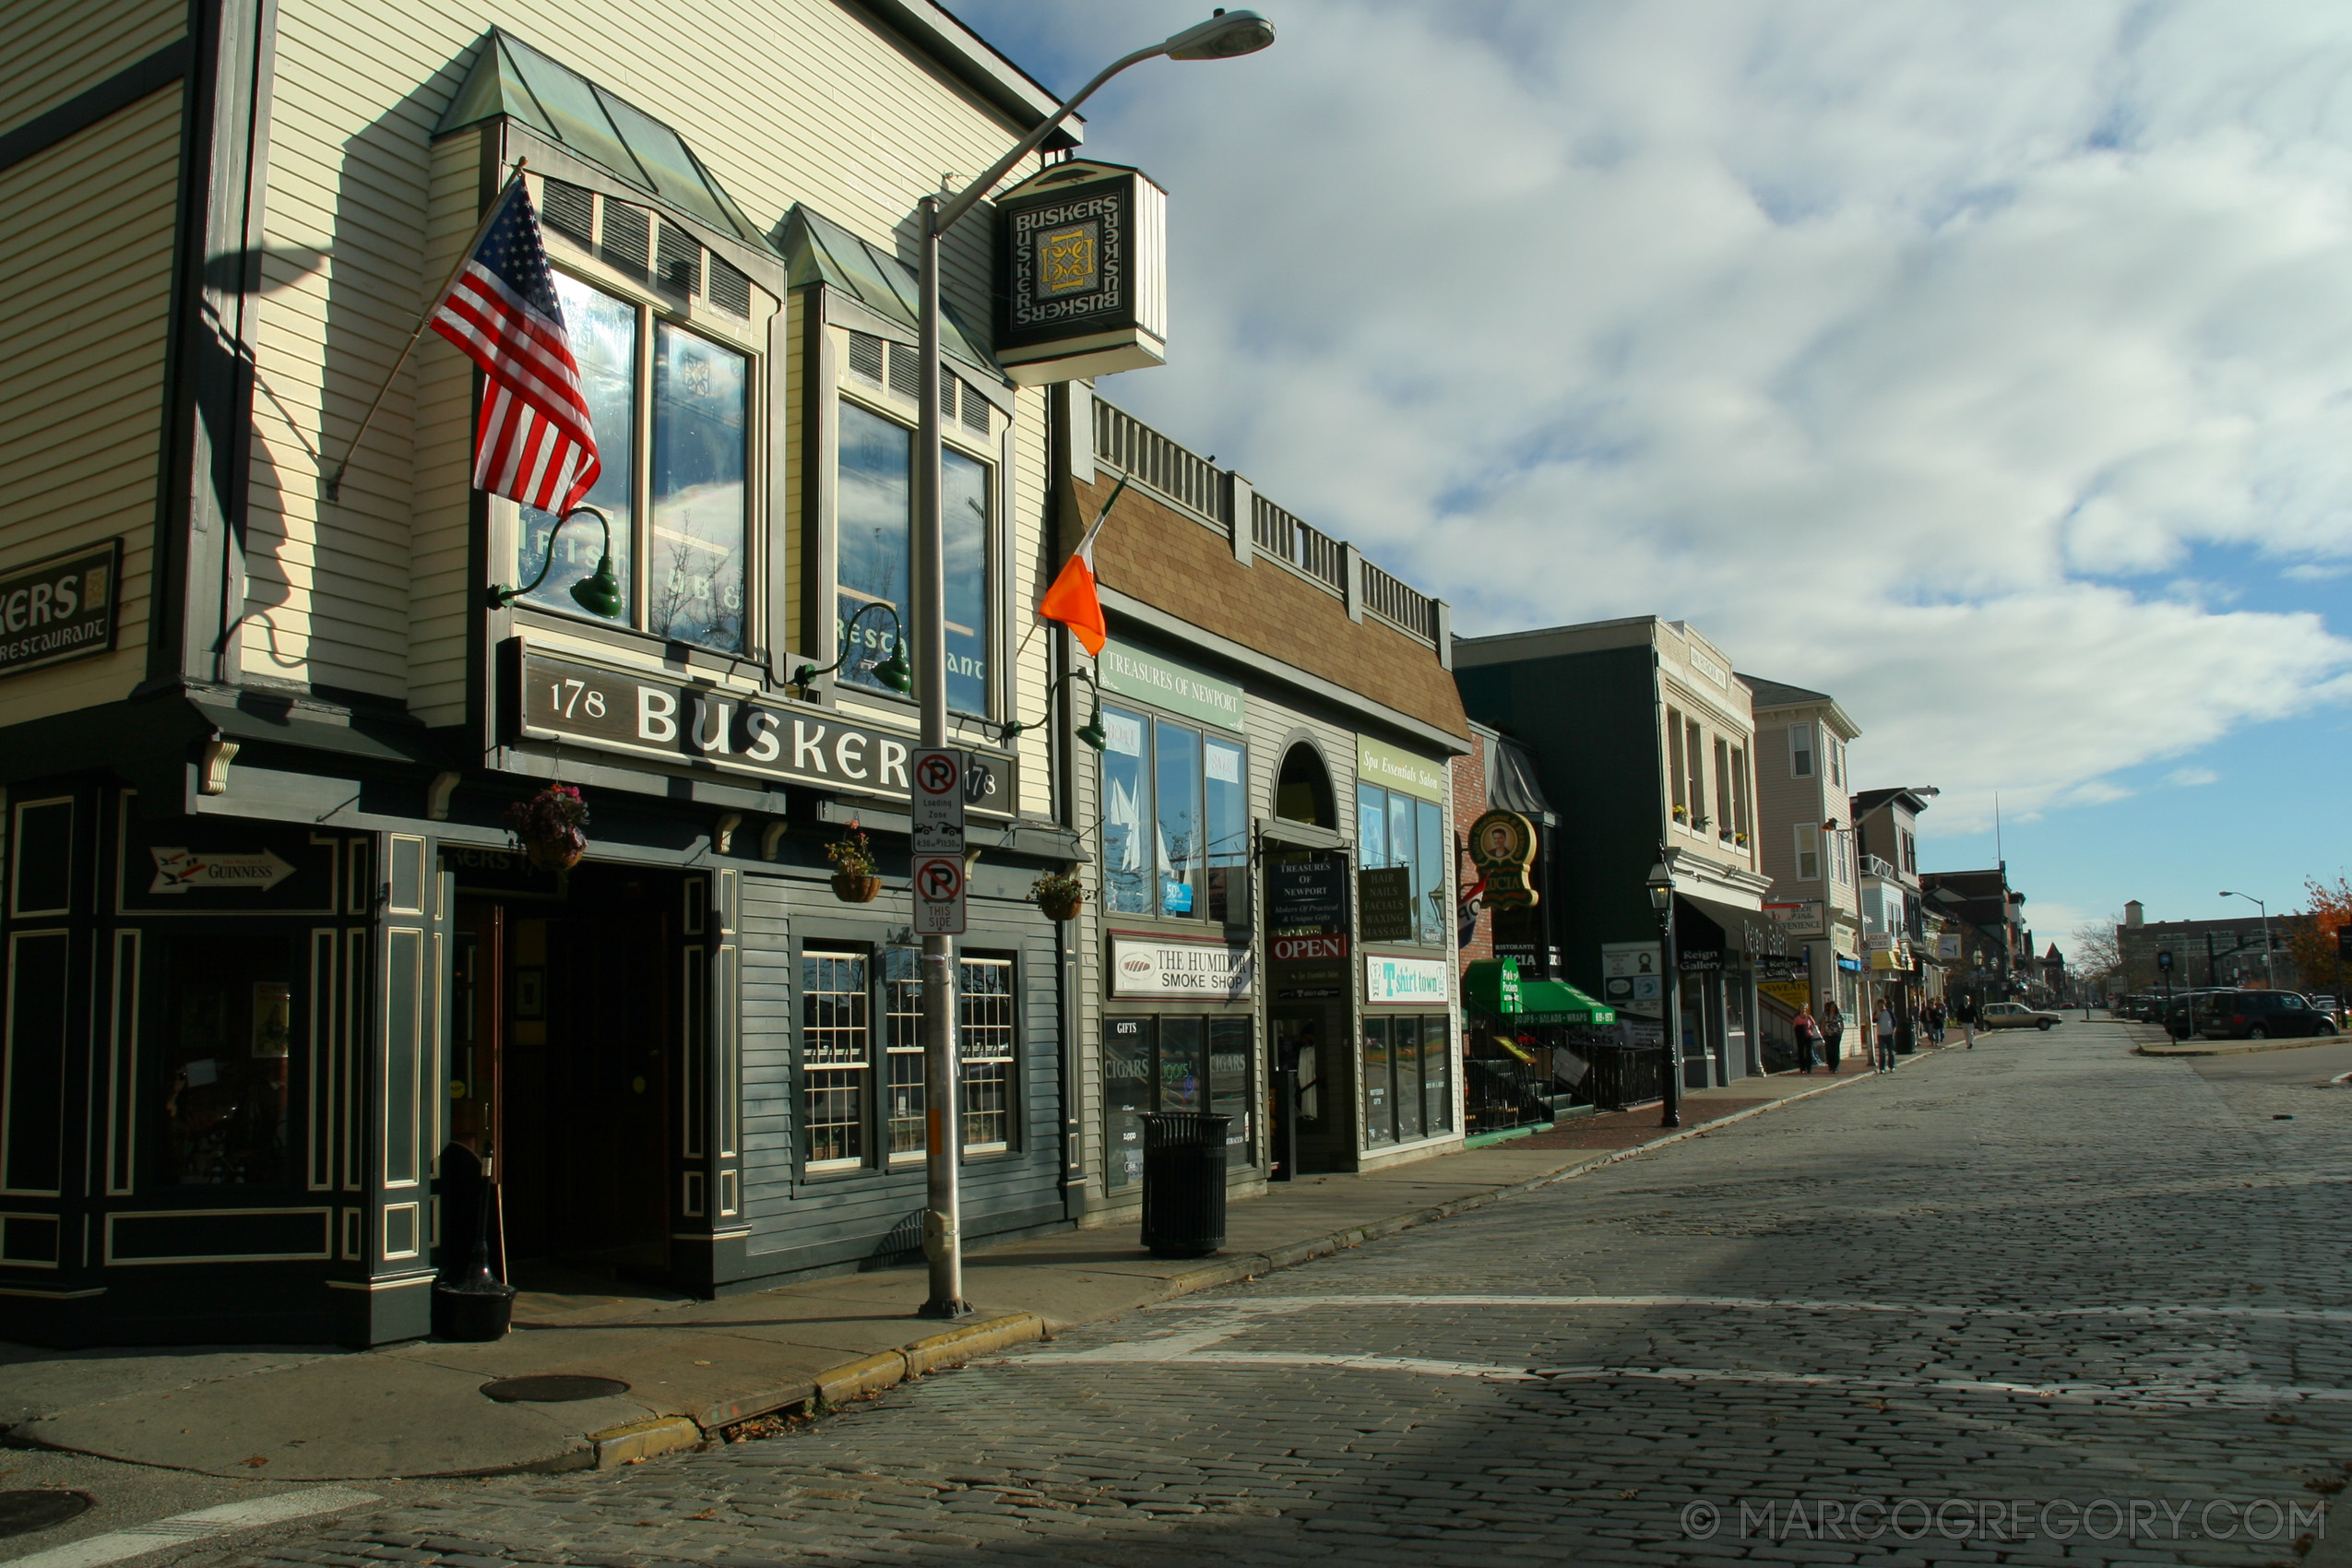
{"type": "Point", "coordinates": [553, 1390]}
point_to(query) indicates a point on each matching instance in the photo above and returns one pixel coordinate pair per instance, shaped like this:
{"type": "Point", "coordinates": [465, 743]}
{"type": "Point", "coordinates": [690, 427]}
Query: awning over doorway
{"type": "Point", "coordinates": [1492, 986]}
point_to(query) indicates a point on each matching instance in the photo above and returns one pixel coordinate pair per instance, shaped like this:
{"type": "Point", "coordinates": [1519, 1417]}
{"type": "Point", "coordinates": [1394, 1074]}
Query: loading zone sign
{"type": "Point", "coordinates": [937, 802]}
{"type": "Point", "coordinates": [939, 895]}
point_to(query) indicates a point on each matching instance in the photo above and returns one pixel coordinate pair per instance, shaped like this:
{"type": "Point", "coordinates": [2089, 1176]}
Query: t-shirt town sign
{"type": "Point", "coordinates": [581, 705]}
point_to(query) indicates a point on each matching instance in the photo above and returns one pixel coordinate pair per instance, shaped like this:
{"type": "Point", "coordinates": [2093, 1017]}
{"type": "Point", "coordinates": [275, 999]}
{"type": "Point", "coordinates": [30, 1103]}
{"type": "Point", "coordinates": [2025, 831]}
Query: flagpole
{"type": "Point", "coordinates": [334, 482]}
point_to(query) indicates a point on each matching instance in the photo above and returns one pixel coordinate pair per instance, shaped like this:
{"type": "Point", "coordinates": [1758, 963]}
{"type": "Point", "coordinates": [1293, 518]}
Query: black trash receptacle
{"type": "Point", "coordinates": [1185, 1183]}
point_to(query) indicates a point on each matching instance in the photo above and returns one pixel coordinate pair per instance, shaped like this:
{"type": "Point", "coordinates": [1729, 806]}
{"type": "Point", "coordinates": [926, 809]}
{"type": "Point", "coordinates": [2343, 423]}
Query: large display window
{"type": "Point", "coordinates": [221, 1060]}
{"type": "Point", "coordinates": [1175, 820]}
{"type": "Point", "coordinates": [1407, 1074]}
{"type": "Point", "coordinates": [1175, 1062]}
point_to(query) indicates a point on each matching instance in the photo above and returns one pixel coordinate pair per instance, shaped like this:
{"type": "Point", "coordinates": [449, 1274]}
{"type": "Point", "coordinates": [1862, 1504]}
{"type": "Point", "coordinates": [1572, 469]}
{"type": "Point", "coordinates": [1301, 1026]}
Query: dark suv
{"type": "Point", "coordinates": [2262, 1014]}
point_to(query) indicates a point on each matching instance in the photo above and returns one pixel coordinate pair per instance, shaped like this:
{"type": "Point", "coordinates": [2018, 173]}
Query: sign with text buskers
{"type": "Point", "coordinates": [665, 719]}
{"type": "Point", "coordinates": [937, 842]}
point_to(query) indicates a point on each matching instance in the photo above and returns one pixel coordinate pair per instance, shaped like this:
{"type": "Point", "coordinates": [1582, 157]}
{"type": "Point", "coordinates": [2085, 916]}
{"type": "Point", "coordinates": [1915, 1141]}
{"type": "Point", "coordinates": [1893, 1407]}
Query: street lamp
{"type": "Point", "coordinates": [2265, 910]}
{"type": "Point", "coordinates": [1223, 36]}
{"type": "Point", "coordinates": [1661, 886]}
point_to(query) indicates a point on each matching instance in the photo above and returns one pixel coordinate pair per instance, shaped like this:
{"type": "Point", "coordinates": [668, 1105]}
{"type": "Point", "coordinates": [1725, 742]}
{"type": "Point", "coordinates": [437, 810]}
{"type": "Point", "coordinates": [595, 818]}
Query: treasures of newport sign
{"type": "Point", "coordinates": [668, 720]}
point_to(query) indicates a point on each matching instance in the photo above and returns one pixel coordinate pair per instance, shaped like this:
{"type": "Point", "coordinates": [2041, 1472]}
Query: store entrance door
{"type": "Point", "coordinates": [1312, 1039]}
{"type": "Point", "coordinates": [567, 1051]}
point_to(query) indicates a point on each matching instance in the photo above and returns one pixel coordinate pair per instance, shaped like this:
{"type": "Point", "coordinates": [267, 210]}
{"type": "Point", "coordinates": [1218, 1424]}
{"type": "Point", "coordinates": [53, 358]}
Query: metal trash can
{"type": "Point", "coordinates": [1185, 1183]}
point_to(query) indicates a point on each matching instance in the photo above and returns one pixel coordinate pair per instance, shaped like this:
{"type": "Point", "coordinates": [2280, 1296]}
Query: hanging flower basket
{"type": "Point", "coordinates": [854, 881]}
{"type": "Point", "coordinates": [853, 889]}
{"type": "Point", "coordinates": [1060, 895]}
{"type": "Point", "coordinates": [551, 828]}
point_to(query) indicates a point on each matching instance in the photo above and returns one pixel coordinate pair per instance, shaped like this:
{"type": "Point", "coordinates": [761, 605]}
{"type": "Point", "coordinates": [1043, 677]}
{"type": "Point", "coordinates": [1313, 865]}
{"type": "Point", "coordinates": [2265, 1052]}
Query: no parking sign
{"type": "Point", "coordinates": [938, 841]}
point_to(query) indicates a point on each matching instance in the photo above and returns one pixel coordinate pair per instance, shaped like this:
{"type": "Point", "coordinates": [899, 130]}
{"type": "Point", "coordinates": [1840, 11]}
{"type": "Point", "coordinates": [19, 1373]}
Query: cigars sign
{"type": "Point", "coordinates": [667, 720]}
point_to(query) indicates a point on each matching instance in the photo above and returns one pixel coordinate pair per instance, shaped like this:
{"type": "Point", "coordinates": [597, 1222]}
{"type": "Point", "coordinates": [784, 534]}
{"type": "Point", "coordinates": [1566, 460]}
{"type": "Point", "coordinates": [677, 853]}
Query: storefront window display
{"type": "Point", "coordinates": [1408, 1078]}
{"type": "Point", "coordinates": [224, 1064]}
{"type": "Point", "coordinates": [1175, 820]}
{"type": "Point", "coordinates": [1175, 1062]}
{"type": "Point", "coordinates": [876, 511]}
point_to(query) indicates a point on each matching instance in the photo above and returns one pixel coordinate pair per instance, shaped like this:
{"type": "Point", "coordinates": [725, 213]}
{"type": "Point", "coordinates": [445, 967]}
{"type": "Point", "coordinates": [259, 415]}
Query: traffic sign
{"type": "Point", "coordinates": [939, 895]}
{"type": "Point", "coordinates": [938, 780]}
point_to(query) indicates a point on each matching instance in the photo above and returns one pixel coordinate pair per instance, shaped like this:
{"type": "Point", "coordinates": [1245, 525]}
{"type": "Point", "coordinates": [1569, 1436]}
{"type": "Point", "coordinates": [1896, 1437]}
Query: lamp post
{"type": "Point", "coordinates": [2265, 910]}
{"type": "Point", "coordinates": [1224, 35]}
{"type": "Point", "coordinates": [1662, 888]}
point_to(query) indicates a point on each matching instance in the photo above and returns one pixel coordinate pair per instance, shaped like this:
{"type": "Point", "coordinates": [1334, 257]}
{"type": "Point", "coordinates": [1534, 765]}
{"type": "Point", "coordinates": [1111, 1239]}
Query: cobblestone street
{"type": "Point", "coordinates": [2041, 1301]}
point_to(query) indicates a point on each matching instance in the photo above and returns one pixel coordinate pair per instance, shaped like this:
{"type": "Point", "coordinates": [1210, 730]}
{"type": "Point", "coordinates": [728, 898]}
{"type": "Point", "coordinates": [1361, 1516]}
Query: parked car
{"type": "Point", "coordinates": [2190, 1011]}
{"type": "Point", "coordinates": [2015, 1016]}
{"type": "Point", "coordinates": [2263, 1015]}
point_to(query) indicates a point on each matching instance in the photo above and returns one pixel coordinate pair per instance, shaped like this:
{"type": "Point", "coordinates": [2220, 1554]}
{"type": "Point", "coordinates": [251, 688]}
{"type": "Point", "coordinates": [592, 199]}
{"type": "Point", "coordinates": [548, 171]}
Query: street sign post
{"type": "Point", "coordinates": [937, 776]}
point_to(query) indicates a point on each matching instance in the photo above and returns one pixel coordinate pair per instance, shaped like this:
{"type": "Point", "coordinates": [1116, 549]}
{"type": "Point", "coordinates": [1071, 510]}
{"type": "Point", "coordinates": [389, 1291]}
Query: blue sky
{"type": "Point", "coordinates": [1987, 364]}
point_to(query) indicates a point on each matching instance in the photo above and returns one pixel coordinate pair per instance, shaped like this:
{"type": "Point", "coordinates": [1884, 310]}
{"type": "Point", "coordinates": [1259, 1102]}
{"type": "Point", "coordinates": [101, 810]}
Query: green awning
{"type": "Point", "coordinates": [1557, 1001]}
{"type": "Point", "coordinates": [1492, 986]}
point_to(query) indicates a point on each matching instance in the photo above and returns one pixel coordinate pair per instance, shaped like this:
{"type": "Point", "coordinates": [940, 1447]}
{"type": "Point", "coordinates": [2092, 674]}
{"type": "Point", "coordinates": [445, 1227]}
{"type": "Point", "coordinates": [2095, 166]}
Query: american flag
{"type": "Point", "coordinates": [535, 443]}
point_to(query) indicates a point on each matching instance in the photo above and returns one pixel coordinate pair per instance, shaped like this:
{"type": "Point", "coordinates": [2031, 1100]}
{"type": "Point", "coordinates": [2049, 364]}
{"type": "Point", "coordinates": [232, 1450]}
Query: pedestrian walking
{"type": "Point", "coordinates": [1966, 1014]}
{"type": "Point", "coordinates": [1886, 1037]}
{"type": "Point", "coordinates": [1935, 1020]}
{"type": "Point", "coordinates": [1808, 1032]}
{"type": "Point", "coordinates": [1833, 1034]}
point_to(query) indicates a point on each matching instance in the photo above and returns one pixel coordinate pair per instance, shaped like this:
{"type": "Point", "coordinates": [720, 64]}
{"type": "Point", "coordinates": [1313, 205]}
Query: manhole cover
{"type": "Point", "coordinates": [552, 1390]}
{"type": "Point", "coordinates": [21, 1513]}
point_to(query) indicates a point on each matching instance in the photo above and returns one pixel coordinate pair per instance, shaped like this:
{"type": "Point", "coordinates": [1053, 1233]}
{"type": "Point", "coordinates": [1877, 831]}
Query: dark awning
{"type": "Point", "coordinates": [1703, 925]}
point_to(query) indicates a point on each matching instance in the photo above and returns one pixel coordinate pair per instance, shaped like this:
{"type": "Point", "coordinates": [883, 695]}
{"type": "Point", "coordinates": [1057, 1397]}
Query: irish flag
{"type": "Point", "coordinates": [1071, 601]}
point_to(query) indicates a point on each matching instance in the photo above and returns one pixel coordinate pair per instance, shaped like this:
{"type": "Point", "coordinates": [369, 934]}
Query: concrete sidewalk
{"type": "Point", "coordinates": [693, 1369]}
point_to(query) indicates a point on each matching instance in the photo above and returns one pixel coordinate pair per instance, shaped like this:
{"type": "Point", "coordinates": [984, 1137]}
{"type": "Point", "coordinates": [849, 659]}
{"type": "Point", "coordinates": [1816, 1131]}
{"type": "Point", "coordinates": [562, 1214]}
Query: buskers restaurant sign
{"type": "Point", "coordinates": [583, 706]}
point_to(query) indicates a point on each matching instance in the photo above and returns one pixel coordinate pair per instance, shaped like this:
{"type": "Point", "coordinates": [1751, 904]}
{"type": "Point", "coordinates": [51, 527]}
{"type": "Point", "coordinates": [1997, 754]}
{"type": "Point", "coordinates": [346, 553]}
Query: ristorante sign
{"type": "Point", "coordinates": [658, 719]}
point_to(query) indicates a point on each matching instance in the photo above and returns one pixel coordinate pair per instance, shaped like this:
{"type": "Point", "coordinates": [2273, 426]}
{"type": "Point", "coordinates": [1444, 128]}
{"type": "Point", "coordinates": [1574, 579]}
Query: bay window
{"type": "Point", "coordinates": [875, 514]}
{"type": "Point", "coordinates": [671, 412]}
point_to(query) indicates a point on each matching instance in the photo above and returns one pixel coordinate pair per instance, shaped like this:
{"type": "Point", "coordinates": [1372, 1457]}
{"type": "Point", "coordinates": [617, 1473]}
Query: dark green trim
{"type": "Point", "coordinates": [86, 108]}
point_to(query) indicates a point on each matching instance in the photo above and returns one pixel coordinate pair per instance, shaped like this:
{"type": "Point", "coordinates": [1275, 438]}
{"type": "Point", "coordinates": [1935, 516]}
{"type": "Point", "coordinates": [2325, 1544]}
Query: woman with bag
{"type": "Point", "coordinates": [1833, 1033]}
{"type": "Point", "coordinates": [1808, 1033]}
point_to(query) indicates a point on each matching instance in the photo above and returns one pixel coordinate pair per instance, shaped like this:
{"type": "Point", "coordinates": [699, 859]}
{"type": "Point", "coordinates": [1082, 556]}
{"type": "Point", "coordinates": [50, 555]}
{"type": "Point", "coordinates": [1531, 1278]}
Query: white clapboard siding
{"type": "Point", "coordinates": [811, 104]}
{"type": "Point", "coordinates": [52, 50]}
{"type": "Point", "coordinates": [86, 232]}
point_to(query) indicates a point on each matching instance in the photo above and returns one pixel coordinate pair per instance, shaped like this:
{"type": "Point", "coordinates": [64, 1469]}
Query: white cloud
{"type": "Point", "coordinates": [1916, 352]}
{"type": "Point", "coordinates": [2190, 778]}
{"type": "Point", "coordinates": [2312, 572]}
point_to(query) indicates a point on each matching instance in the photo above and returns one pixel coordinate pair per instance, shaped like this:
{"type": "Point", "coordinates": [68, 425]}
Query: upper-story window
{"type": "Point", "coordinates": [1910, 853]}
{"type": "Point", "coordinates": [1677, 781]}
{"type": "Point", "coordinates": [1175, 819]}
{"type": "Point", "coordinates": [1694, 757]}
{"type": "Point", "coordinates": [1395, 830]}
{"type": "Point", "coordinates": [875, 521]}
{"type": "Point", "coordinates": [1801, 751]}
{"type": "Point", "coordinates": [1808, 852]}
{"type": "Point", "coordinates": [676, 483]}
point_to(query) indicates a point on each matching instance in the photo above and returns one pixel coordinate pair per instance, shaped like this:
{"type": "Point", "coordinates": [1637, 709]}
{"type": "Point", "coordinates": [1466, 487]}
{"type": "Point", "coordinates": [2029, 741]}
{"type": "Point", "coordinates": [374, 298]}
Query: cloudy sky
{"type": "Point", "coordinates": [1984, 364]}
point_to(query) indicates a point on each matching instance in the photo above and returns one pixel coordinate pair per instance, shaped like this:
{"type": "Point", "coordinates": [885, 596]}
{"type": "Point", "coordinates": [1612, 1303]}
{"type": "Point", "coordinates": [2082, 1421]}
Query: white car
{"type": "Point", "coordinates": [2015, 1016]}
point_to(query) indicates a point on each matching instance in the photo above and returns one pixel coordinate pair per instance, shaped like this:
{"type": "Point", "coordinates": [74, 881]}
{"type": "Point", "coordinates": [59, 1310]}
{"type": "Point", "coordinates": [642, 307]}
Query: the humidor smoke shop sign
{"type": "Point", "coordinates": [59, 609]}
{"type": "Point", "coordinates": [581, 705]}
{"type": "Point", "coordinates": [1206, 972]}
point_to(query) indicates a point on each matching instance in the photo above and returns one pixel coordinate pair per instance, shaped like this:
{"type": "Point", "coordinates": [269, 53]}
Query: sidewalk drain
{"type": "Point", "coordinates": [21, 1513]}
{"type": "Point", "coordinates": [552, 1390]}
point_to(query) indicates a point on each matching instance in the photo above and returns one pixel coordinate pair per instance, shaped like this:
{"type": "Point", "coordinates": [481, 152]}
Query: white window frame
{"type": "Point", "coordinates": [998, 1046]}
{"type": "Point", "coordinates": [834, 1066]}
{"type": "Point", "coordinates": [1808, 850]}
{"type": "Point", "coordinates": [1802, 763]}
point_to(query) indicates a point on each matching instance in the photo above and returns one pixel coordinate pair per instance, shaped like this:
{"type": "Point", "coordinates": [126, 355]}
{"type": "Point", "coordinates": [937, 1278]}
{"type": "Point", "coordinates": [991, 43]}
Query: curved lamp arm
{"type": "Point", "coordinates": [598, 593]}
{"type": "Point", "coordinates": [1091, 732]}
{"type": "Point", "coordinates": [893, 671]}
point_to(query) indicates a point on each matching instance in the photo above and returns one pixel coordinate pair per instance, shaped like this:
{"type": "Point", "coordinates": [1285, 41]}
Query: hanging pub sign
{"type": "Point", "coordinates": [61, 607]}
{"type": "Point", "coordinates": [668, 720]}
{"type": "Point", "coordinates": [1503, 844]}
{"type": "Point", "coordinates": [1082, 273]}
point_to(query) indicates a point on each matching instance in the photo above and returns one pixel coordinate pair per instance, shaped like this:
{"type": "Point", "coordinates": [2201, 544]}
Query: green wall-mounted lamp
{"type": "Point", "coordinates": [598, 593]}
{"type": "Point", "coordinates": [893, 672]}
{"type": "Point", "coordinates": [1091, 732]}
